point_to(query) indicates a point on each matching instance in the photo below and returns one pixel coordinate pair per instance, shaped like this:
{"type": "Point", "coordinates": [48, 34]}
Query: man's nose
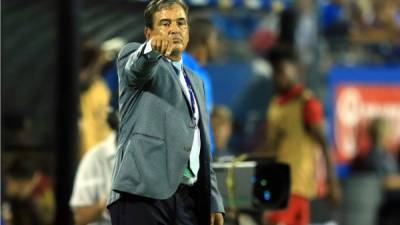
{"type": "Point", "coordinates": [173, 28]}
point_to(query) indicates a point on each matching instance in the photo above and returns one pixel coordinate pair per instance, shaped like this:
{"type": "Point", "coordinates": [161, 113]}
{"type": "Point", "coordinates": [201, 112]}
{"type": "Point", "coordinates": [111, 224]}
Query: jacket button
{"type": "Point", "coordinates": [187, 148]}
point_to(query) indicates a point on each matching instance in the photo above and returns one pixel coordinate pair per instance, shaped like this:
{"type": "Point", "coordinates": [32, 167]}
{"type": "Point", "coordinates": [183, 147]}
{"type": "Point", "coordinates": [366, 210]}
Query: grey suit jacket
{"type": "Point", "coordinates": [156, 130]}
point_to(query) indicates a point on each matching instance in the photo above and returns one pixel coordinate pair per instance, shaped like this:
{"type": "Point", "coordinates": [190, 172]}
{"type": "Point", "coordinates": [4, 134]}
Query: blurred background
{"type": "Point", "coordinates": [59, 84]}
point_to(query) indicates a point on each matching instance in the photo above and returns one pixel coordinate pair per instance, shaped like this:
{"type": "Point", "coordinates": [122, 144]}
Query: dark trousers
{"type": "Point", "coordinates": [179, 209]}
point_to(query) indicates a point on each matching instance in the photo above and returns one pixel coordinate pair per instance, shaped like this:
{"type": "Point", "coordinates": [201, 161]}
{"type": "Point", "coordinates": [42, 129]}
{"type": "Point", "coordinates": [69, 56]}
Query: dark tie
{"type": "Point", "coordinates": [189, 86]}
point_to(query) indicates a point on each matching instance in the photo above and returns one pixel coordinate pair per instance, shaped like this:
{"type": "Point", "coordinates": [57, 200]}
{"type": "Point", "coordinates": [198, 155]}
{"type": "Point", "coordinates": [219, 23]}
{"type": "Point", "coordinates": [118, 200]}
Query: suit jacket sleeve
{"type": "Point", "coordinates": [217, 205]}
{"type": "Point", "coordinates": [134, 65]}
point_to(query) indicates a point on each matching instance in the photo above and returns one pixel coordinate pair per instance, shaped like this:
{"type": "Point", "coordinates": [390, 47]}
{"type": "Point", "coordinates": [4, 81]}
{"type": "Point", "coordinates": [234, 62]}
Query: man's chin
{"type": "Point", "coordinates": [176, 51]}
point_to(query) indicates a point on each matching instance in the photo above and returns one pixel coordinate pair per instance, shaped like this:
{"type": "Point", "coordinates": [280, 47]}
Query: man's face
{"type": "Point", "coordinates": [171, 22]}
{"type": "Point", "coordinates": [284, 76]}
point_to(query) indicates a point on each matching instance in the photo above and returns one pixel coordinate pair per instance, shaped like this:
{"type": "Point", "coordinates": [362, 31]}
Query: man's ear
{"type": "Point", "coordinates": [147, 33]}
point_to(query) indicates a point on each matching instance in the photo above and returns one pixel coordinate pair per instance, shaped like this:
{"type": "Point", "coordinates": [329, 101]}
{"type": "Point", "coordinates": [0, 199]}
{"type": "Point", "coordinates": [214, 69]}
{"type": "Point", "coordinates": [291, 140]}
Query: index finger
{"type": "Point", "coordinates": [169, 48]}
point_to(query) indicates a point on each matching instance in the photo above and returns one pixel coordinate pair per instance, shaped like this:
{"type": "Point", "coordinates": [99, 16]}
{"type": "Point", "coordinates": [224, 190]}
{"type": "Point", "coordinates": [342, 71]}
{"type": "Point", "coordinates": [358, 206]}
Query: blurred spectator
{"type": "Point", "coordinates": [249, 108]}
{"type": "Point", "coordinates": [202, 48]}
{"type": "Point", "coordinates": [294, 136]}
{"type": "Point", "coordinates": [29, 194]}
{"type": "Point", "coordinates": [335, 19]}
{"type": "Point", "coordinates": [383, 28]}
{"type": "Point", "coordinates": [93, 181]}
{"type": "Point", "coordinates": [221, 120]}
{"type": "Point", "coordinates": [383, 163]}
{"type": "Point", "coordinates": [287, 26]}
{"type": "Point", "coordinates": [362, 12]}
{"type": "Point", "coordinates": [375, 31]}
{"type": "Point", "coordinates": [378, 158]}
{"type": "Point", "coordinates": [94, 98]}
{"type": "Point", "coordinates": [306, 37]}
{"type": "Point", "coordinates": [262, 40]}
{"type": "Point", "coordinates": [111, 48]}
{"type": "Point", "coordinates": [299, 31]}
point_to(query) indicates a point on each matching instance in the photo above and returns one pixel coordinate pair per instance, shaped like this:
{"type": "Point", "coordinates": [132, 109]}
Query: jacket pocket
{"type": "Point", "coordinates": [150, 156]}
{"type": "Point", "coordinates": [128, 175]}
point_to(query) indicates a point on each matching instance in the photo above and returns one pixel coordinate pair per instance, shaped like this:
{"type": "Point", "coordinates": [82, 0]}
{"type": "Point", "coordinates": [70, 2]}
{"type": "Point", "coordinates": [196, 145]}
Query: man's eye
{"type": "Point", "coordinates": [164, 24]}
{"type": "Point", "coordinates": [182, 23]}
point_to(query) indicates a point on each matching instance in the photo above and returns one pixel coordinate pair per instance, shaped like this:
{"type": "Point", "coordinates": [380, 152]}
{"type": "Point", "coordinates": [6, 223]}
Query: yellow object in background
{"type": "Point", "coordinates": [94, 111]}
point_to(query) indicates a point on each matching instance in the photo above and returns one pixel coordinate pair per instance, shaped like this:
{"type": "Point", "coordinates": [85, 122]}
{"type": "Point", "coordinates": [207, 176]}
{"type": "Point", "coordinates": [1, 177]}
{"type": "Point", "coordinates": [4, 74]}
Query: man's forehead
{"type": "Point", "coordinates": [165, 12]}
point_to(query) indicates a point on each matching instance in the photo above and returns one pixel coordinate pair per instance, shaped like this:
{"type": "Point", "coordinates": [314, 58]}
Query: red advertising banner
{"type": "Point", "coordinates": [356, 105]}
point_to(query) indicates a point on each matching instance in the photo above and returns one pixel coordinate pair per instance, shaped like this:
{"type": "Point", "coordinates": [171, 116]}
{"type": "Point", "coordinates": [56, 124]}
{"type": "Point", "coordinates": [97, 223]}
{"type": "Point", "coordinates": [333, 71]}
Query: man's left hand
{"type": "Point", "coordinates": [217, 219]}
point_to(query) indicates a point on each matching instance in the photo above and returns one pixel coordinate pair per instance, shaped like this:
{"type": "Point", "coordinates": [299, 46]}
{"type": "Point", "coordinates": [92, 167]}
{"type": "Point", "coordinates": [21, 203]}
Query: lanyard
{"type": "Point", "coordinates": [189, 85]}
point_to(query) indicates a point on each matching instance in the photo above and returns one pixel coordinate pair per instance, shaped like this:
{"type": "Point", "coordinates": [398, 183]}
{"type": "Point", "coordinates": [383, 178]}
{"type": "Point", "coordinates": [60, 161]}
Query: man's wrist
{"type": "Point", "coordinates": [149, 53]}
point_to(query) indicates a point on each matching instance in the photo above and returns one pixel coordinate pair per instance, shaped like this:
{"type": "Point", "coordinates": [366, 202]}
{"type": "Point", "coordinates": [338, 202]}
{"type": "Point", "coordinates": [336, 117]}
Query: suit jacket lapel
{"type": "Point", "coordinates": [197, 91]}
{"type": "Point", "coordinates": [200, 98]}
{"type": "Point", "coordinates": [176, 78]}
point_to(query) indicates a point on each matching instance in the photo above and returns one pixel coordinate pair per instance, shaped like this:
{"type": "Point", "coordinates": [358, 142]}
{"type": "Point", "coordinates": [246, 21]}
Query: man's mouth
{"type": "Point", "coordinates": [176, 40]}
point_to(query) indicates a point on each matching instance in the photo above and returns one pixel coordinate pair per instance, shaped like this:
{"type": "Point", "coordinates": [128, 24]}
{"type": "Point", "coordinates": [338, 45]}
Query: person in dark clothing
{"type": "Point", "coordinates": [381, 162]}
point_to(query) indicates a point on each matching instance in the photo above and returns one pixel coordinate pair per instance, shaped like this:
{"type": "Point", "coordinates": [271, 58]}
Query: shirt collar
{"type": "Point", "coordinates": [177, 64]}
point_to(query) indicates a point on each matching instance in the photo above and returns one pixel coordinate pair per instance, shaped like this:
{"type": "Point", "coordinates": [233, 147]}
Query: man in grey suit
{"type": "Point", "coordinates": [162, 174]}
